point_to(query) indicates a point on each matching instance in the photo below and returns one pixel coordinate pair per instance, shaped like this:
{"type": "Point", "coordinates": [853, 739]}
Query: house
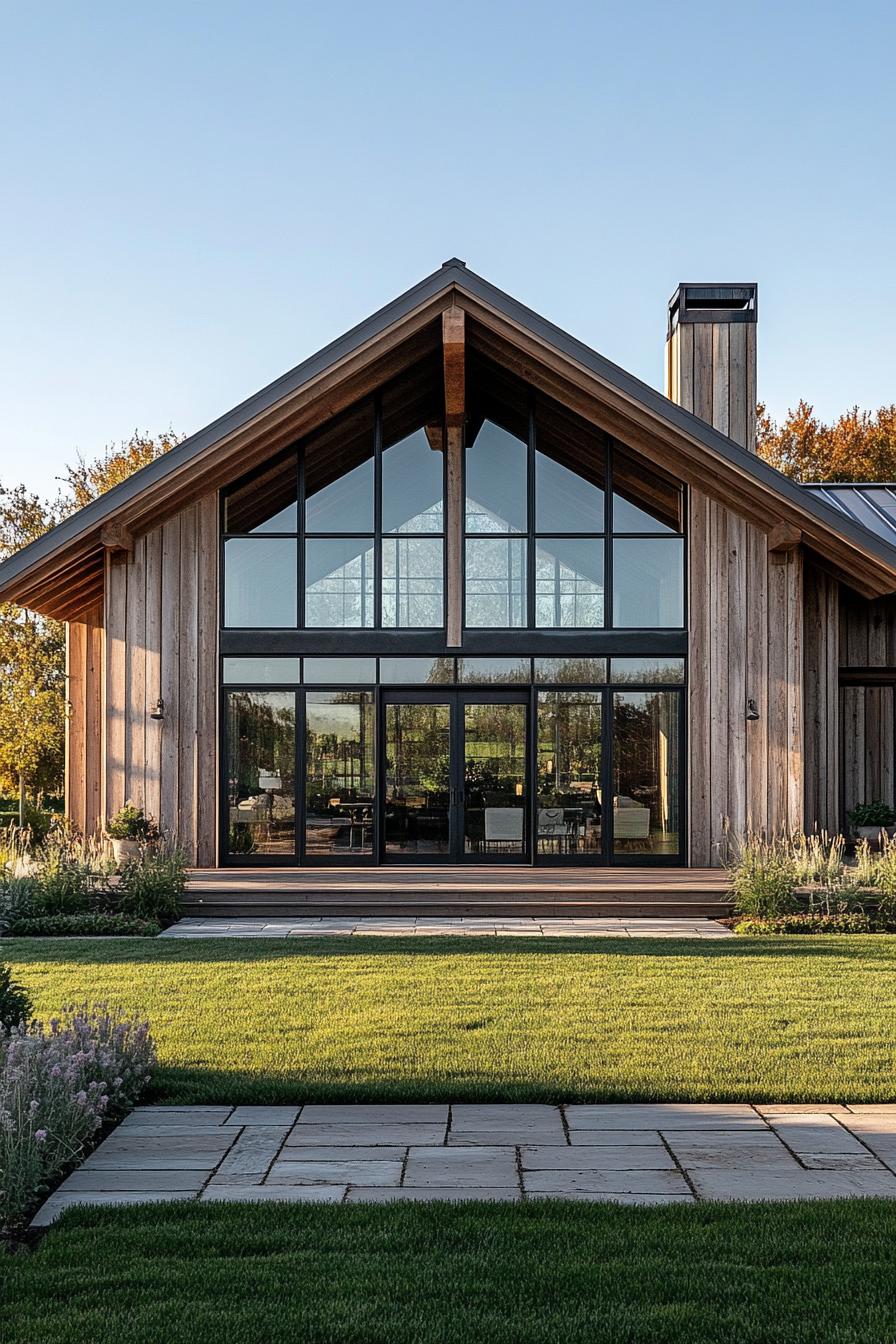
{"type": "Point", "coordinates": [458, 589]}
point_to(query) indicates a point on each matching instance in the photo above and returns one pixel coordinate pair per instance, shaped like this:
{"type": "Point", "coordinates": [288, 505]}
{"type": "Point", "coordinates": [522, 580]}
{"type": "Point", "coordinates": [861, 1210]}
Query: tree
{"type": "Point", "coordinates": [86, 481]}
{"type": "Point", "coordinates": [859, 446]}
{"type": "Point", "coordinates": [32, 667]}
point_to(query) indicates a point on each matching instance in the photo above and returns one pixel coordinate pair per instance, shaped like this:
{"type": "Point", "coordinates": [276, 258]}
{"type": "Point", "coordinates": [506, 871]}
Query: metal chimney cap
{"type": "Point", "coordinates": [713, 303]}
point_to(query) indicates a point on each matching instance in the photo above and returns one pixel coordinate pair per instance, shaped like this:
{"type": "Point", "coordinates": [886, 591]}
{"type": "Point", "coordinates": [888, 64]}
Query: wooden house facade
{"type": "Point", "coordinates": [459, 590]}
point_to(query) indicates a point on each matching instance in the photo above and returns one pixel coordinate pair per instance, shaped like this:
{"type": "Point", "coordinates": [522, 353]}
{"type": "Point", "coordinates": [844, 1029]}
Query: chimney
{"type": "Point", "coordinates": [711, 357]}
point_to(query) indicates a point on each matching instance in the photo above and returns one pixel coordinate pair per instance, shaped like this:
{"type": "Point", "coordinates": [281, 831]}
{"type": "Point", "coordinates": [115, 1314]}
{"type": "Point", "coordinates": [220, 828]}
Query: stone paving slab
{"type": "Point", "coordinates": [468, 926]}
{"type": "Point", "coordinates": [629, 1153]}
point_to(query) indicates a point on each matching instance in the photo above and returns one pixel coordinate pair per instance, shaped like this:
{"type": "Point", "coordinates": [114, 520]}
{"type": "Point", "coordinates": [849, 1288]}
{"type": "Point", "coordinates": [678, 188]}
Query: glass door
{"type": "Point", "coordinates": [419, 790]}
{"type": "Point", "coordinates": [454, 777]}
{"type": "Point", "coordinates": [493, 755]}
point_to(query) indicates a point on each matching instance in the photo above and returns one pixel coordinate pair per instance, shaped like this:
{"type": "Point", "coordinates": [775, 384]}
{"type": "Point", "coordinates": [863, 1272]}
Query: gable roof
{"type": "Point", "coordinates": [64, 568]}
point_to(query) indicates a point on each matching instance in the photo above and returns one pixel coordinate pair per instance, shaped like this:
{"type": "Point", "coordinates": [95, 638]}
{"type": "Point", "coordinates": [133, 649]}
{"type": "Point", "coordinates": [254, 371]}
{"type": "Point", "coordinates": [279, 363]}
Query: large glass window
{"type": "Point", "coordinates": [340, 773]}
{"type": "Point", "coordinates": [648, 582]}
{"type": "Point", "coordinates": [261, 753]}
{"type": "Point", "coordinates": [260, 582]}
{"type": "Point", "coordinates": [569, 582]}
{"type": "Point", "coordinates": [646, 773]}
{"type": "Point", "coordinates": [496, 582]}
{"type": "Point", "coordinates": [339, 582]}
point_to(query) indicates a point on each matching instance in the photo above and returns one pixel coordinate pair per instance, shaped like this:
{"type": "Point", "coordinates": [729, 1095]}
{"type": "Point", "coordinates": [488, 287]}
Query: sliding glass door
{"type": "Point", "coordinates": [530, 773]}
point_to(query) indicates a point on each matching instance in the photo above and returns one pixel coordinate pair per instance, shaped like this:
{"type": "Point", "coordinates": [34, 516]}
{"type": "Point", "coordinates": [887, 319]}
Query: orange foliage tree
{"type": "Point", "coordinates": [860, 446]}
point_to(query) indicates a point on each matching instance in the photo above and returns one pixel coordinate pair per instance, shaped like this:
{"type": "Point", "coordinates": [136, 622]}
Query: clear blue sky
{"type": "Point", "coordinates": [199, 195]}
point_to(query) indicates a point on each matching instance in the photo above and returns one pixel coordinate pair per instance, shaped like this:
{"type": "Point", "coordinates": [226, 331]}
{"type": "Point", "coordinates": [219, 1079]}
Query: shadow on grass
{"type": "Point", "coordinates": [165, 951]}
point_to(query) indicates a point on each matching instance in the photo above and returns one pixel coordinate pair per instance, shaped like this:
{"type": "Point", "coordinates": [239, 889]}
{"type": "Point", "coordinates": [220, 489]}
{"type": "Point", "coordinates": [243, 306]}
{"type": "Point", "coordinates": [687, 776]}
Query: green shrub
{"type": "Point", "coordinates": [877, 813]}
{"type": "Point", "coordinates": [101, 925]}
{"type": "Point", "coordinates": [15, 1002]}
{"type": "Point", "coordinates": [151, 887]}
{"type": "Point", "coordinates": [131, 823]}
{"type": "Point", "coordinates": [846, 922]}
{"type": "Point", "coordinates": [763, 875]}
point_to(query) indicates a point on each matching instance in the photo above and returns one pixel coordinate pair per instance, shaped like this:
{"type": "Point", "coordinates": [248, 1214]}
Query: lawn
{"type": "Point", "coordinates": [782, 1019]}
{"type": "Point", "coordinates": [449, 1274]}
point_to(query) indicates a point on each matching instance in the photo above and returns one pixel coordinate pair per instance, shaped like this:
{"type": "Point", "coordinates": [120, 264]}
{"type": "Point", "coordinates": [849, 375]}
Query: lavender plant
{"type": "Point", "coordinates": [59, 1083]}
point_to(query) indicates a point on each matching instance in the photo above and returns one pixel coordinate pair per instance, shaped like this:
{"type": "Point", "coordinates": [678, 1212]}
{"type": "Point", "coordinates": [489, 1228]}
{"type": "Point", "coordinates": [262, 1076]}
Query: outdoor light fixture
{"type": "Point", "coordinates": [159, 711]}
{"type": "Point", "coordinates": [752, 711]}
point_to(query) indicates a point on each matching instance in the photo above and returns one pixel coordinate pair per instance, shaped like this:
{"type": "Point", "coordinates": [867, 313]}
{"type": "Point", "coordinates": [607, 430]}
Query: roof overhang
{"type": "Point", "coordinates": [61, 574]}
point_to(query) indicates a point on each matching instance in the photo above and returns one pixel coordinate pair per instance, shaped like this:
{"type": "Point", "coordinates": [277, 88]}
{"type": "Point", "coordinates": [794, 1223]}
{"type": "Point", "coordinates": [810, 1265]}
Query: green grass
{"type": "Point", "coordinates": [781, 1019]}
{"type": "Point", "coordinates": [442, 1274]}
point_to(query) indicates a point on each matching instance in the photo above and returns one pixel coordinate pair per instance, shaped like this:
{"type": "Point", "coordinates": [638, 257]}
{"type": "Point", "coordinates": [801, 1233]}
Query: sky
{"type": "Point", "coordinates": [197, 196]}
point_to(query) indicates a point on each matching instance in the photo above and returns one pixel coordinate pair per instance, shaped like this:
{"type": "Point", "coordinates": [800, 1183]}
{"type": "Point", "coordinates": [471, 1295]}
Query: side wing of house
{"type": "Point", "coordinates": [143, 684]}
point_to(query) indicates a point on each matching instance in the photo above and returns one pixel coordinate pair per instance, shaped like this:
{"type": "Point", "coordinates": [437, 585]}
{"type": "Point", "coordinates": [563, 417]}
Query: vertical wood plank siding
{"type": "Point", "coordinates": [84, 657]}
{"type": "Point", "coordinates": [746, 642]}
{"type": "Point", "coordinates": [161, 643]}
{"type": "Point", "coordinates": [822, 713]}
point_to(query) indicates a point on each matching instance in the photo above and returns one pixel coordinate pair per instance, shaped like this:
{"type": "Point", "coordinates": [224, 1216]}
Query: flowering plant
{"type": "Point", "coordinates": [59, 1083]}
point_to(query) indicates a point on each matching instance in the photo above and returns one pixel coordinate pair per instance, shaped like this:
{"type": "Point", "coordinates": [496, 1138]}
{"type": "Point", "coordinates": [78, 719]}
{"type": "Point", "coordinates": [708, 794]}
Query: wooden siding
{"type": "Point", "coordinates": [746, 643]}
{"type": "Point", "coordinates": [161, 642]}
{"type": "Point", "coordinates": [84, 658]}
{"type": "Point", "coordinates": [822, 714]}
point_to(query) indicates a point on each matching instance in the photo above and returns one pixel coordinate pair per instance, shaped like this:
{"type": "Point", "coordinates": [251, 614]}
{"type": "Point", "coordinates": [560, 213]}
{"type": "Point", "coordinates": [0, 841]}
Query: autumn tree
{"type": "Point", "coordinates": [859, 446]}
{"type": "Point", "coordinates": [86, 481]}
{"type": "Point", "coordinates": [32, 667]}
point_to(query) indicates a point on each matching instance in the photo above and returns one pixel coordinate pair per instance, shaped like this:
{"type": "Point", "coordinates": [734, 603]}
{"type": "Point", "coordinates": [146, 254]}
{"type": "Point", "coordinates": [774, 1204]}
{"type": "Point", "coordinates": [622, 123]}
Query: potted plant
{"type": "Point", "coordinates": [869, 819]}
{"type": "Point", "coordinates": [130, 831]}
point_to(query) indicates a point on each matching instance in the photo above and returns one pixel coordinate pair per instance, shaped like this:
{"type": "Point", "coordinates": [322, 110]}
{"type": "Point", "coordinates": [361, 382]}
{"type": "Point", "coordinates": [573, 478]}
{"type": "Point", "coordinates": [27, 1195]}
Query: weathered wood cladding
{"type": "Point", "coordinates": [822, 716]}
{"type": "Point", "coordinates": [84, 648]}
{"type": "Point", "coordinates": [161, 644]}
{"type": "Point", "coordinates": [746, 643]}
{"type": "Point", "coordinates": [867, 729]}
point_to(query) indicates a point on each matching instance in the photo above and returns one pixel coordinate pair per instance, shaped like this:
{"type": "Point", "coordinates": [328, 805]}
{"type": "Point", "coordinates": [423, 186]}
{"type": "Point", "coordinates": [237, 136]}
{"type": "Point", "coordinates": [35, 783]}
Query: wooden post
{"type": "Point", "coordinates": [454, 362]}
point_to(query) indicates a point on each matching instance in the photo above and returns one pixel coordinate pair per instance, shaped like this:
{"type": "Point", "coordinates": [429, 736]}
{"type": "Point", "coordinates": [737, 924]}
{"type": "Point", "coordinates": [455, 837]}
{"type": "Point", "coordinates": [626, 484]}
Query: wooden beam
{"type": "Point", "coordinates": [454, 360]}
{"type": "Point", "coordinates": [117, 537]}
{"type": "Point", "coordinates": [454, 364]}
{"type": "Point", "coordinates": [783, 537]}
{"type": "Point", "coordinates": [435, 436]}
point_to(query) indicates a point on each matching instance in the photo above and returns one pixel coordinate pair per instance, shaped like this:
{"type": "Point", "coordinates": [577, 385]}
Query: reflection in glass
{"type": "Point", "coordinates": [571, 671]}
{"type": "Point", "coordinates": [273, 671]}
{"type": "Point", "coordinates": [660, 671]}
{"type": "Point", "coordinates": [339, 582]}
{"type": "Point", "coordinates": [648, 582]}
{"type": "Point", "coordinates": [564, 500]}
{"type": "Point", "coordinates": [339, 773]}
{"type": "Point", "coordinates": [418, 778]}
{"type": "Point", "coordinates": [569, 781]}
{"type": "Point", "coordinates": [346, 670]}
{"type": "Point", "coordinates": [643, 499]}
{"type": "Point", "coordinates": [496, 485]}
{"type": "Point", "coordinates": [344, 505]}
{"type": "Point", "coordinates": [645, 772]}
{"type": "Point", "coordinates": [496, 582]}
{"type": "Point", "coordinates": [493, 671]}
{"type": "Point", "coordinates": [261, 753]}
{"type": "Point", "coordinates": [494, 779]}
{"type": "Point", "coordinates": [260, 582]}
{"type": "Point", "coordinates": [569, 582]}
{"type": "Point", "coordinates": [412, 486]}
{"type": "Point", "coordinates": [417, 671]}
{"type": "Point", "coordinates": [413, 586]}
{"type": "Point", "coordinates": [266, 503]}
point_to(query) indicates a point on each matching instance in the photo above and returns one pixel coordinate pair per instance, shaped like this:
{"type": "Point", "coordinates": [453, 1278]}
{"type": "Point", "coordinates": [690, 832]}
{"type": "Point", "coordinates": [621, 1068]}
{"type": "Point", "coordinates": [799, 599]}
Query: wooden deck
{"type": "Point", "coordinates": [431, 890]}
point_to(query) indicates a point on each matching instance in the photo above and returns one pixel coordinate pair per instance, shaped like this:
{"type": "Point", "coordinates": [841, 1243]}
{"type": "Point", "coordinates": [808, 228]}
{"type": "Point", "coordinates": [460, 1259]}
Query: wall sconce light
{"type": "Point", "coordinates": [518, 790]}
{"type": "Point", "coordinates": [752, 711]}
{"type": "Point", "coordinates": [159, 711]}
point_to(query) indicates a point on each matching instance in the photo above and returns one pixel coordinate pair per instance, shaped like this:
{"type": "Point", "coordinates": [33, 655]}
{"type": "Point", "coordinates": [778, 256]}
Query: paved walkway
{"type": "Point", "coordinates": [467, 926]}
{"type": "Point", "coordinates": [649, 1154]}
